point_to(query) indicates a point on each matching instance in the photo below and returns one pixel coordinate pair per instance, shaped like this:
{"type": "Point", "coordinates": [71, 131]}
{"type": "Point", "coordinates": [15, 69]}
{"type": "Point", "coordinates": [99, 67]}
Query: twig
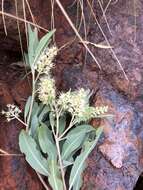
{"type": "Point", "coordinates": [4, 153]}
{"type": "Point", "coordinates": [20, 120]}
{"type": "Point", "coordinates": [42, 181]}
{"type": "Point", "coordinates": [24, 14]}
{"type": "Point", "coordinates": [76, 32]}
{"type": "Point", "coordinates": [22, 20]}
{"type": "Point", "coordinates": [3, 18]}
{"type": "Point", "coordinates": [112, 51]}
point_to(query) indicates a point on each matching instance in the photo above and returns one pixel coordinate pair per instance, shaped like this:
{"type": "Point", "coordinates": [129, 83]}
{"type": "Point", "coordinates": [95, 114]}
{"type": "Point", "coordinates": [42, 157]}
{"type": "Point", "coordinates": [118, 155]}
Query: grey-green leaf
{"type": "Point", "coordinates": [52, 119]}
{"type": "Point", "coordinates": [34, 125]}
{"type": "Point", "coordinates": [74, 140]}
{"type": "Point", "coordinates": [67, 163]}
{"type": "Point", "coordinates": [71, 145]}
{"type": "Point", "coordinates": [80, 129]}
{"type": "Point", "coordinates": [79, 161]}
{"type": "Point", "coordinates": [33, 43]}
{"type": "Point", "coordinates": [55, 176]}
{"type": "Point", "coordinates": [62, 124]}
{"type": "Point", "coordinates": [35, 109]}
{"type": "Point", "coordinates": [27, 107]}
{"type": "Point", "coordinates": [43, 112]}
{"type": "Point", "coordinates": [26, 60]}
{"type": "Point", "coordinates": [33, 156]}
{"type": "Point", "coordinates": [46, 141]}
{"type": "Point", "coordinates": [78, 182]}
{"type": "Point", "coordinates": [43, 43]}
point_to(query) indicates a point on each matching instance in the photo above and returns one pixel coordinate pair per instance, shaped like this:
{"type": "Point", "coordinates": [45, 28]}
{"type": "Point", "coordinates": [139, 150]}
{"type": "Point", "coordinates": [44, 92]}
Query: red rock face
{"type": "Point", "coordinates": [116, 162]}
{"type": "Point", "coordinates": [126, 39]}
{"type": "Point", "coordinates": [15, 173]}
{"type": "Point", "coordinates": [41, 15]}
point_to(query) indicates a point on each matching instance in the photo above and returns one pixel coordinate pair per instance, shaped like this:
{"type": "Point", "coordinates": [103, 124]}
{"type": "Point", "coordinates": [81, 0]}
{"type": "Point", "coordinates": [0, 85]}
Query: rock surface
{"type": "Point", "coordinates": [15, 173]}
{"type": "Point", "coordinates": [117, 161]}
{"type": "Point", "coordinates": [38, 12]}
{"type": "Point", "coordinates": [126, 27]}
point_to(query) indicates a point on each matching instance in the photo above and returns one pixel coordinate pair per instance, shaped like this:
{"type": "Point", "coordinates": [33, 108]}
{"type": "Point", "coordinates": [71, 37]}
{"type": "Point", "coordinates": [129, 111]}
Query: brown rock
{"type": "Point", "coordinates": [40, 15]}
{"type": "Point", "coordinates": [126, 39]}
{"type": "Point", "coordinates": [115, 163]}
{"type": "Point", "coordinates": [15, 173]}
{"type": "Point", "coordinates": [20, 92]}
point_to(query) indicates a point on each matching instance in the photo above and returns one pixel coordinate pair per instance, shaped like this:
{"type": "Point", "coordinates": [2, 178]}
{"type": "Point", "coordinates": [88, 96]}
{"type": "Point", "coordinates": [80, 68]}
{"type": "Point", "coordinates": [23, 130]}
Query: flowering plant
{"type": "Point", "coordinates": [56, 136]}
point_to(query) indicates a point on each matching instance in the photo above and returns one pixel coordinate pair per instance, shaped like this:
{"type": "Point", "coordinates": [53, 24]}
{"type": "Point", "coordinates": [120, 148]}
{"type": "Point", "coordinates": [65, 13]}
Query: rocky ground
{"type": "Point", "coordinates": [117, 161]}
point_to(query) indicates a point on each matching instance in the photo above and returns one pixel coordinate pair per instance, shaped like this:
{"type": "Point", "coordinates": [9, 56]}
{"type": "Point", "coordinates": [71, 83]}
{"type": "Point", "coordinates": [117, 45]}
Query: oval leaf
{"type": "Point", "coordinates": [80, 129]}
{"type": "Point", "coordinates": [71, 145]}
{"type": "Point", "coordinates": [33, 156]}
{"type": "Point", "coordinates": [43, 42]}
{"type": "Point", "coordinates": [79, 161]}
{"type": "Point", "coordinates": [27, 107]}
{"type": "Point", "coordinates": [55, 176]}
{"type": "Point", "coordinates": [74, 140]}
{"type": "Point", "coordinates": [46, 141]}
{"type": "Point", "coordinates": [33, 43]}
{"type": "Point", "coordinates": [62, 124]}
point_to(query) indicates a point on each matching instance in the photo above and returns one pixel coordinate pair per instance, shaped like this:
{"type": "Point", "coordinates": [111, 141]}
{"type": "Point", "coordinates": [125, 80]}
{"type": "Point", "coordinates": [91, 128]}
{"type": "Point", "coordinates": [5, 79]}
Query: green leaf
{"type": "Point", "coordinates": [74, 140]}
{"type": "Point", "coordinates": [52, 119]}
{"type": "Point", "coordinates": [71, 145]}
{"type": "Point", "coordinates": [43, 112]}
{"type": "Point", "coordinates": [67, 163]}
{"type": "Point", "coordinates": [36, 40]}
{"type": "Point", "coordinates": [62, 124]}
{"type": "Point", "coordinates": [27, 107]}
{"type": "Point", "coordinates": [55, 176]}
{"type": "Point", "coordinates": [80, 129]}
{"type": "Point", "coordinates": [46, 141]}
{"type": "Point", "coordinates": [34, 125]}
{"type": "Point", "coordinates": [78, 182]}
{"type": "Point", "coordinates": [33, 156]}
{"type": "Point", "coordinates": [35, 109]}
{"type": "Point", "coordinates": [33, 43]}
{"type": "Point", "coordinates": [26, 60]}
{"type": "Point", "coordinates": [43, 43]}
{"type": "Point", "coordinates": [79, 161]}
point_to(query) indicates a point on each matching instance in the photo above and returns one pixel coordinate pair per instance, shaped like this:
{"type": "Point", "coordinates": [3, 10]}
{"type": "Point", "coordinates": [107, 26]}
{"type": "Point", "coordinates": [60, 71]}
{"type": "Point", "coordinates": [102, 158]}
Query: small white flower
{"type": "Point", "coordinates": [45, 62]}
{"type": "Point", "coordinates": [46, 90]}
{"type": "Point", "coordinates": [12, 112]}
{"type": "Point", "coordinates": [74, 102]}
{"type": "Point", "coordinates": [77, 103]}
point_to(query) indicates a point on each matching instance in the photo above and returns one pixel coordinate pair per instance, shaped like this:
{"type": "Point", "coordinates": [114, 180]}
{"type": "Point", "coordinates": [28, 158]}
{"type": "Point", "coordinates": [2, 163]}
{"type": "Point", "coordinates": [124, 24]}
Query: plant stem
{"type": "Point", "coordinates": [20, 121]}
{"type": "Point", "coordinates": [58, 148]}
{"type": "Point", "coordinates": [32, 100]}
{"type": "Point", "coordinates": [60, 162]}
{"type": "Point", "coordinates": [69, 127]}
{"type": "Point", "coordinates": [57, 121]}
{"type": "Point", "coordinates": [42, 181]}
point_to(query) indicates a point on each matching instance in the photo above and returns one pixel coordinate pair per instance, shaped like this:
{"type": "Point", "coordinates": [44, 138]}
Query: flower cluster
{"type": "Point", "coordinates": [46, 90]}
{"type": "Point", "coordinates": [101, 110]}
{"type": "Point", "coordinates": [12, 112]}
{"type": "Point", "coordinates": [77, 104]}
{"type": "Point", "coordinates": [45, 61]}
